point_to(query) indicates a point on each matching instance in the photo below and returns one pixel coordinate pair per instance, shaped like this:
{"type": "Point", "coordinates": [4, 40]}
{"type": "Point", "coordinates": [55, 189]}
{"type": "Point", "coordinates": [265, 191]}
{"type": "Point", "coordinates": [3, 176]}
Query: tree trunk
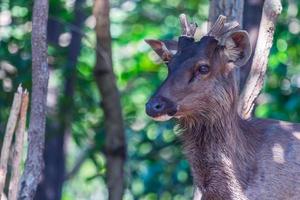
{"type": "Point", "coordinates": [232, 9]}
{"type": "Point", "coordinates": [36, 134]}
{"type": "Point", "coordinates": [54, 155]}
{"type": "Point", "coordinates": [256, 68]}
{"type": "Point", "coordinates": [255, 79]}
{"type": "Point", "coordinates": [115, 147]}
{"type": "Point", "coordinates": [51, 186]}
{"type": "Point", "coordinates": [251, 21]}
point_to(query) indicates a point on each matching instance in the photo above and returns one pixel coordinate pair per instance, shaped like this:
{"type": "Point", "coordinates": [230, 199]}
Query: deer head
{"type": "Point", "coordinates": [200, 73]}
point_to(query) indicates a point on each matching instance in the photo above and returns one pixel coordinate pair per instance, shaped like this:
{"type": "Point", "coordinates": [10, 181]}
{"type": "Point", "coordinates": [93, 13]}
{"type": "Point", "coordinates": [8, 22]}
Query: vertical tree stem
{"type": "Point", "coordinates": [36, 135]}
{"type": "Point", "coordinates": [233, 10]}
{"type": "Point", "coordinates": [251, 22]}
{"type": "Point", "coordinates": [115, 147]}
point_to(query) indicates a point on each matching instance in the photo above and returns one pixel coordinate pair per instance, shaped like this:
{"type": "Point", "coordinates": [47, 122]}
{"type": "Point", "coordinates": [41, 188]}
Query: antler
{"type": "Point", "coordinates": [222, 28]}
{"type": "Point", "coordinates": [188, 29]}
{"type": "Point", "coordinates": [218, 26]}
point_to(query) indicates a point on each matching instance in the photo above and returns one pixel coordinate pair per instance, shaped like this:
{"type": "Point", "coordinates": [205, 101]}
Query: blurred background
{"type": "Point", "coordinates": [75, 136]}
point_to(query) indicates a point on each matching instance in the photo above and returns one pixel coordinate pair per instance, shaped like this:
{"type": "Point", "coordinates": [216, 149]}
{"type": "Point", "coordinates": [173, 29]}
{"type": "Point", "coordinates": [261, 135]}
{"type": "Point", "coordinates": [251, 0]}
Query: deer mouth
{"type": "Point", "coordinates": [174, 113]}
{"type": "Point", "coordinates": [162, 118]}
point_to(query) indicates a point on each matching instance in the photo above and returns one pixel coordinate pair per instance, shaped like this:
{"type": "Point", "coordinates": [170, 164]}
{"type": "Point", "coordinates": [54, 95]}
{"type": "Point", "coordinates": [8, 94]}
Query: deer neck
{"type": "Point", "coordinates": [221, 152]}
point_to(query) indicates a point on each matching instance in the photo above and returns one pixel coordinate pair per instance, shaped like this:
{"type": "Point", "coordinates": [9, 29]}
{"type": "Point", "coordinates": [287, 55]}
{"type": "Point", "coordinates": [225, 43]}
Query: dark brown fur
{"type": "Point", "coordinates": [230, 158]}
{"type": "Point", "coordinates": [221, 148]}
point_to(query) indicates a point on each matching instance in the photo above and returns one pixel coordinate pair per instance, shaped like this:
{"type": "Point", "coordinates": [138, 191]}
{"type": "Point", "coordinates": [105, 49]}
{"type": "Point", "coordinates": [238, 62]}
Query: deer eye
{"type": "Point", "coordinates": [202, 69]}
{"type": "Point", "coordinates": [199, 69]}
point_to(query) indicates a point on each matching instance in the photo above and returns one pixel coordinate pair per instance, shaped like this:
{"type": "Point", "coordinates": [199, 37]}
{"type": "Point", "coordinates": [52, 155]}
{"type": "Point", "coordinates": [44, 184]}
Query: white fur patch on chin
{"type": "Point", "coordinates": [162, 118]}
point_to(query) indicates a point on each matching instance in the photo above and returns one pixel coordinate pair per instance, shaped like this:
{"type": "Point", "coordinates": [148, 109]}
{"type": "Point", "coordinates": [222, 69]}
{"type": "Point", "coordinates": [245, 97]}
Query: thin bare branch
{"type": "Point", "coordinates": [79, 161]}
{"type": "Point", "coordinates": [255, 80]}
{"type": "Point", "coordinates": [18, 149]}
{"type": "Point", "coordinates": [10, 129]}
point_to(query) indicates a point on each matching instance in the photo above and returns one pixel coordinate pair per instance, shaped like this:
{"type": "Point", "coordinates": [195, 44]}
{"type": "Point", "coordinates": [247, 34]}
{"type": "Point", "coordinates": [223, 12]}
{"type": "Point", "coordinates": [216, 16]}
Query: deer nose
{"type": "Point", "coordinates": [158, 106]}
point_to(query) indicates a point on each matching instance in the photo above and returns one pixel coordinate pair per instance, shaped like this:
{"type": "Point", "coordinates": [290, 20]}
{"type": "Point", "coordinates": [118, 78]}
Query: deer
{"type": "Point", "coordinates": [231, 158]}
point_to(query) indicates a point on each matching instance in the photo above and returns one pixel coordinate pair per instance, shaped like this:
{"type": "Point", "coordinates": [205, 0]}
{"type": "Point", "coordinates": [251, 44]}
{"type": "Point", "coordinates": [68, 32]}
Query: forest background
{"type": "Point", "coordinates": [75, 151]}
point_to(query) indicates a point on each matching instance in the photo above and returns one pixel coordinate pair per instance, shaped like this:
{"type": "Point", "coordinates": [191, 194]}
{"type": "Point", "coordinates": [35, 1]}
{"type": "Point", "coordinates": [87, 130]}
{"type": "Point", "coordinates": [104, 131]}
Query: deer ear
{"type": "Point", "coordinates": [164, 49]}
{"type": "Point", "coordinates": [237, 47]}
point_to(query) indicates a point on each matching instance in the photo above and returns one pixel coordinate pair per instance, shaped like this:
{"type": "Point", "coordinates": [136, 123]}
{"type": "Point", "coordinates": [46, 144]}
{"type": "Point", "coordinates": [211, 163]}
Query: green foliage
{"type": "Point", "coordinates": [155, 168]}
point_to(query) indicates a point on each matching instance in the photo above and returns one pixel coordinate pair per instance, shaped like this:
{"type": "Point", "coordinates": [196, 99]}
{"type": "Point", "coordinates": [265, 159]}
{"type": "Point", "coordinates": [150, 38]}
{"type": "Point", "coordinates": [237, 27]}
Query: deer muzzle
{"type": "Point", "coordinates": [161, 108]}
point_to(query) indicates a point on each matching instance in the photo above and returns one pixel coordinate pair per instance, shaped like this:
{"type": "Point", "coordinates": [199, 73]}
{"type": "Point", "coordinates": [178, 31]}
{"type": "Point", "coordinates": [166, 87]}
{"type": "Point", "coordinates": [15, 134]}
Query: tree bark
{"type": "Point", "coordinates": [40, 75]}
{"type": "Point", "coordinates": [254, 83]}
{"type": "Point", "coordinates": [115, 147]}
{"type": "Point", "coordinates": [257, 65]}
{"type": "Point", "coordinates": [18, 149]}
{"type": "Point", "coordinates": [8, 136]}
{"type": "Point", "coordinates": [232, 9]}
{"type": "Point", "coordinates": [251, 21]}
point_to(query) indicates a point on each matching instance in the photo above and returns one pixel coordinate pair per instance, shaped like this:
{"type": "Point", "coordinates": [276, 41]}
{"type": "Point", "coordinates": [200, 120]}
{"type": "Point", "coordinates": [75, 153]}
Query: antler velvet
{"type": "Point", "coordinates": [188, 29]}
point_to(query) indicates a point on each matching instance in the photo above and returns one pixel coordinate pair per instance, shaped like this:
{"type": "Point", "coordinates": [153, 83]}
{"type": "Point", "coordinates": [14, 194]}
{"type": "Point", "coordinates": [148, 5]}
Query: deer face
{"type": "Point", "coordinates": [199, 74]}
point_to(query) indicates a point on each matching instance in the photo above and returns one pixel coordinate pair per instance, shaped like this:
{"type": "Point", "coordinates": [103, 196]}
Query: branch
{"type": "Point", "coordinates": [79, 161]}
{"type": "Point", "coordinates": [10, 129]}
{"type": "Point", "coordinates": [18, 149]}
{"type": "Point", "coordinates": [255, 80]}
{"type": "Point", "coordinates": [36, 135]}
